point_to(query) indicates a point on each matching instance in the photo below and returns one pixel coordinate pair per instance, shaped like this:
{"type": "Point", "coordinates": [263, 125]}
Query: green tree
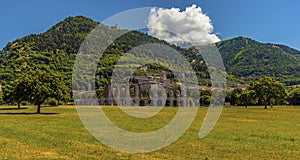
{"type": "Point", "coordinates": [235, 96]}
{"type": "Point", "coordinates": [268, 88]}
{"type": "Point", "coordinates": [294, 96]}
{"type": "Point", "coordinates": [12, 92]}
{"type": "Point", "coordinates": [1, 96]}
{"type": "Point", "coordinates": [205, 97]}
{"type": "Point", "coordinates": [45, 84]}
{"type": "Point", "coordinates": [37, 86]}
{"type": "Point", "coordinates": [248, 97]}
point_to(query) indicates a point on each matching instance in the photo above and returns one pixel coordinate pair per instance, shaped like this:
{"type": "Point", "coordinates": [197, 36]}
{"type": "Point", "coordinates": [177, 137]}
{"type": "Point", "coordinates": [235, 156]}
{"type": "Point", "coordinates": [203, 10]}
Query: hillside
{"type": "Point", "coordinates": [245, 59]}
{"type": "Point", "coordinates": [56, 49]}
{"type": "Point", "coordinates": [248, 60]}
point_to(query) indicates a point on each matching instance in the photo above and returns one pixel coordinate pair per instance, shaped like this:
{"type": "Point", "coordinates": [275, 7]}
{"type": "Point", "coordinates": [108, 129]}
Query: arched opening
{"type": "Point", "coordinates": [132, 90]}
{"type": "Point", "coordinates": [168, 103]}
{"type": "Point", "coordinates": [106, 102]}
{"type": "Point", "coordinates": [114, 91]}
{"type": "Point", "coordinates": [159, 103]}
{"type": "Point", "coordinates": [142, 103]}
{"type": "Point", "coordinates": [149, 102]}
{"type": "Point", "coordinates": [123, 92]}
{"type": "Point", "coordinates": [175, 103]}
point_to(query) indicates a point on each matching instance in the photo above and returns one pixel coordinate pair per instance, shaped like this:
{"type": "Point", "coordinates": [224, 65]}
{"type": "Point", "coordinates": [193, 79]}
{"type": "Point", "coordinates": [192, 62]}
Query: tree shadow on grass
{"type": "Point", "coordinates": [23, 113]}
{"type": "Point", "coordinates": [6, 109]}
{"type": "Point", "coordinates": [50, 106]}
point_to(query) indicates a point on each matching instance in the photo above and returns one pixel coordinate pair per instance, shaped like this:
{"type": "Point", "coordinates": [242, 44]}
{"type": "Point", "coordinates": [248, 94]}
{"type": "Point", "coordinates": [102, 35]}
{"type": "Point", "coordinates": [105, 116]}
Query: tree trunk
{"type": "Point", "coordinates": [39, 104]}
{"type": "Point", "coordinates": [39, 108]}
{"type": "Point", "coordinates": [266, 105]}
{"type": "Point", "coordinates": [19, 105]}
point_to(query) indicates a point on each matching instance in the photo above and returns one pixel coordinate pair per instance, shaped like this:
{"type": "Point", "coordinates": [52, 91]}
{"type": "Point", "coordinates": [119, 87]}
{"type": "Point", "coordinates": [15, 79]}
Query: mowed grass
{"type": "Point", "coordinates": [252, 133]}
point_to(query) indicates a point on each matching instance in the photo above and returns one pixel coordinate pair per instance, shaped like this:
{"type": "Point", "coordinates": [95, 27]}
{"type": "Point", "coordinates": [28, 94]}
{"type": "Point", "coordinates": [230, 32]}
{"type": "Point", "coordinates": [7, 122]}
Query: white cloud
{"type": "Point", "coordinates": [189, 26]}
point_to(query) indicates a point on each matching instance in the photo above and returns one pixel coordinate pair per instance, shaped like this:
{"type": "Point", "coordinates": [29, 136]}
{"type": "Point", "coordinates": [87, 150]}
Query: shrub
{"type": "Point", "coordinates": [52, 102]}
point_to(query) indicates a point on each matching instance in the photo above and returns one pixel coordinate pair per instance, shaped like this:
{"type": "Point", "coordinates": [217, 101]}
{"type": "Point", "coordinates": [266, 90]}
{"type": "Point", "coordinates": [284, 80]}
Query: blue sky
{"type": "Point", "coordinates": [275, 21]}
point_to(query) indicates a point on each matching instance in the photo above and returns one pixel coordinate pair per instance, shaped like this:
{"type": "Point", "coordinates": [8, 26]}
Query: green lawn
{"type": "Point", "coordinates": [252, 133]}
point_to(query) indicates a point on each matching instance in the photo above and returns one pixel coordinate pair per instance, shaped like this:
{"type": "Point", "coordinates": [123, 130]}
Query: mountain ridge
{"type": "Point", "coordinates": [244, 58]}
{"type": "Point", "coordinates": [249, 59]}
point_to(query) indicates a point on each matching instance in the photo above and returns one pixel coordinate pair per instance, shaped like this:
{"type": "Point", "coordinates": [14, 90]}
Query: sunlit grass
{"type": "Point", "coordinates": [252, 133]}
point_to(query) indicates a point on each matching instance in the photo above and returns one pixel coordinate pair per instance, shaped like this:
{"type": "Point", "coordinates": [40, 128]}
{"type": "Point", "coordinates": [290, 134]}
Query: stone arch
{"type": "Point", "coordinates": [142, 102]}
{"type": "Point", "coordinates": [114, 91]}
{"type": "Point", "coordinates": [106, 102]}
{"type": "Point", "coordinates": [149, 102]}
{"type": "Point", "coordinates": [159, 103]}
{"type": "Point", "coordinates": [123, 91]}
{"type": "Point", "coordinates": [175, 103]}
{"type": "Point", "coordinates": [132, 90]}
{"type": "Point", "coordinates": [168, 103]}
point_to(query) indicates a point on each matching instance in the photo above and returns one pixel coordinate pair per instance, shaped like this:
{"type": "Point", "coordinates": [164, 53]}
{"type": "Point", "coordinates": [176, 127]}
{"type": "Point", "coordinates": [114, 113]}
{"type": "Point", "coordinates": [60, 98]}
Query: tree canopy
{"type": "Point", "coordinates": [36, 87]}
{"type": "Point", "coordinates": [268, 88]}
{"type": "Point", "coordinates": [294, 96]}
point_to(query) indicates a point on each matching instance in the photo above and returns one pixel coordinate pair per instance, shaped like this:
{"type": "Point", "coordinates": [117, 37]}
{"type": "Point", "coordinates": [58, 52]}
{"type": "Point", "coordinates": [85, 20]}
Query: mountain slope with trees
{"type": "Point", "coordinates": [56, 49]}
{"type": "Point", "coordinates": [250, 60]}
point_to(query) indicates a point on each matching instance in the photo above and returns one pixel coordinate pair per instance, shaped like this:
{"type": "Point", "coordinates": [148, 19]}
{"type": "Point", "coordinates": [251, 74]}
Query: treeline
{"type": "Point", "coordinates": [265, 91]}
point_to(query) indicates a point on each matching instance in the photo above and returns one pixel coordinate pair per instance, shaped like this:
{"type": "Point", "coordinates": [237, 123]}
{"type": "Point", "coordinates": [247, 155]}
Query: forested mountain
{"type": "Point", "coordinates": [249, 60]}
{"type": "Point", "coordinates": [56, 49]}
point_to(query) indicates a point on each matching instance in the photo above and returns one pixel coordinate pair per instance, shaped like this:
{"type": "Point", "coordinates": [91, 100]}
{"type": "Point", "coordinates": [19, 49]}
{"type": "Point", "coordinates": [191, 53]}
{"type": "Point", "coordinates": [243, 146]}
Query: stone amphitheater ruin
{"type": "Point", "coordinates": [149, 90]}
{"type": "Point", "coordinates": [158, 89]}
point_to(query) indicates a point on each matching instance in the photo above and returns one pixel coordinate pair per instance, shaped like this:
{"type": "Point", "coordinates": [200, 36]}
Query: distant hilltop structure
{"type": "Point", "coordinates": [116, 27]}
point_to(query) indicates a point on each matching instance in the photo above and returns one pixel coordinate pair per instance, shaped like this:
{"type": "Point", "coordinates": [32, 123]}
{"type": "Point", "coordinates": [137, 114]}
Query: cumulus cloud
{"type": "Point", "coordinates": [191, 26]}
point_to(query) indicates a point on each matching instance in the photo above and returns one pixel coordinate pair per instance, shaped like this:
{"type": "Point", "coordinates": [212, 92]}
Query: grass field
{"type": "Point", "coordinates": [252, 133]}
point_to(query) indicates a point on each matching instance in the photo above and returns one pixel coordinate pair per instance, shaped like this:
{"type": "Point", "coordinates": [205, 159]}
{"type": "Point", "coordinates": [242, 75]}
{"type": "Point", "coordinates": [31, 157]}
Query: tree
{"type": "Point", "coordinates": [294, 96]}
{"type": "Point", "coordinates": [37, 86]}
{"type": "Point", "coordinates": [205, 97]}
{"type": "Point", "coordinates": [1, 95]}
{"type": "Point", "coordinates": [235, 96]}
{"type": "Point", "coordinates": [248, 97]}
{"type": "Point", "coordinates": [12, 92]}
{"type": "Point", "coordinates": [267, 88]}
{"type": "Point", "coordinates": [45, 84]}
